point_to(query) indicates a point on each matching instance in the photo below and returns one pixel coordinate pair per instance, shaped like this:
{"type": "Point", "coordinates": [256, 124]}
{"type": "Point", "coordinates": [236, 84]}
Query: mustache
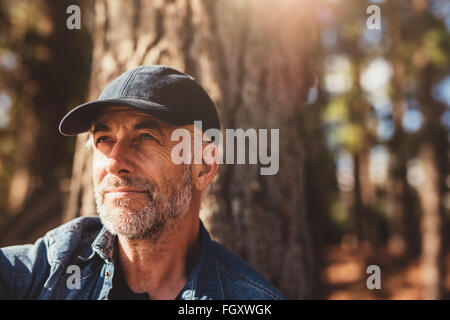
{"type": "Point", "coordinates": [139, 184]}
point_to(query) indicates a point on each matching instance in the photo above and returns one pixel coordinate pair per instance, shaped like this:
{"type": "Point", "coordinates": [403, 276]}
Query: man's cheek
{"type": "Point", "coordinates": [98, 170]}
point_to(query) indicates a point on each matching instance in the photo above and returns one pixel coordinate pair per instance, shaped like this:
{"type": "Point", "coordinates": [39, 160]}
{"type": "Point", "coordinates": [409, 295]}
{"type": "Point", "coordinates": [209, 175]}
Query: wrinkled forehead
{"type": "Point", "coordinates": [115, 114]}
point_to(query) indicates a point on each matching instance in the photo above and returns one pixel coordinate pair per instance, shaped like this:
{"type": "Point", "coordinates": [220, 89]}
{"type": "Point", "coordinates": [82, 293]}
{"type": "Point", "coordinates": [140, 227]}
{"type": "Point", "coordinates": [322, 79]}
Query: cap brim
{"type": "Point", "coordinates": [79, 119]}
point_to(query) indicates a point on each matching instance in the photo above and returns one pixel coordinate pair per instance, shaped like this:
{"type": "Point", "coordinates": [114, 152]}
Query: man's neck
{"type": "Point", "coordinates": [161, 267]}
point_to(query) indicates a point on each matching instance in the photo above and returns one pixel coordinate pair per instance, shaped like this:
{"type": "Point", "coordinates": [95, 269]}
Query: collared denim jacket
{"type": "Point", "coordinates": [40, 270]}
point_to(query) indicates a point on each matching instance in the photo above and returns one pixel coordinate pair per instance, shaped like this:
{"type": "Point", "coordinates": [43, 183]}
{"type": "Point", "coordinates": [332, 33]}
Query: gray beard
{"type": "Point", "coordinates": [143, 218]}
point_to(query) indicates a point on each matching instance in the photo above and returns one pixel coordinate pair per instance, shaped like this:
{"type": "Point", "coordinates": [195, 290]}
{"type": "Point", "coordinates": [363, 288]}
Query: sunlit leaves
{"type": "Point", "coordinates": [437, 45]}
{"type": "Point", "coordinates": [336, 111]}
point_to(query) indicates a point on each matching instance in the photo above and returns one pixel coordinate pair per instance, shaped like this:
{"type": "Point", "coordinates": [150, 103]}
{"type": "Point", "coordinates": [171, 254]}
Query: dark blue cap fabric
{"type": "Point", "coordinates": [163, 92]}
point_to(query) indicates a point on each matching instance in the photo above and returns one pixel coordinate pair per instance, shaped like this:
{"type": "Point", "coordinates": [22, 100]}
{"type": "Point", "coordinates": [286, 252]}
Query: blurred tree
{"type": "Point", "coordinates": [347, 114]}
{"type": "Point", "coordinates": [364, 190]}
{"type": "Point", "coordinates": [403, 239]}
{"type": "Point", "coordinates": [252, 60]}
{"type": "Point", "coordinates": [430, 63]}
{"type": "Point", "coordinates": [53, 64]}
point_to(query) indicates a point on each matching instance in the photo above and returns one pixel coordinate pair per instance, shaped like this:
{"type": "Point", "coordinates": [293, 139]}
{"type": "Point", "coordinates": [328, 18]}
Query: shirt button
{"type": "Point", "coordinates": [107, 275]}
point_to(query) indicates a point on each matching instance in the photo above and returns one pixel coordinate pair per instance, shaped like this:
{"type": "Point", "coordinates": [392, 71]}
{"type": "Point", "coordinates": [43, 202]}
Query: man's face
{"type": "Point", "coordinates": [138, 189]}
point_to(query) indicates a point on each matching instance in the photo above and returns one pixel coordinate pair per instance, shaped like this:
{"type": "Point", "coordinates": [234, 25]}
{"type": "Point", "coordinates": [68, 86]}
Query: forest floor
{"type": "Point", "coordinates": [345, 275]}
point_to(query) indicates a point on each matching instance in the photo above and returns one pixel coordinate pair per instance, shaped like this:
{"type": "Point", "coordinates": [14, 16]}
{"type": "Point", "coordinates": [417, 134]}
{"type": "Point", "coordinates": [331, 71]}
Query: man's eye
{"type": "Point", "coordinates": [146, 136]}
{"type": "Point", "coordinates": [102, 139]}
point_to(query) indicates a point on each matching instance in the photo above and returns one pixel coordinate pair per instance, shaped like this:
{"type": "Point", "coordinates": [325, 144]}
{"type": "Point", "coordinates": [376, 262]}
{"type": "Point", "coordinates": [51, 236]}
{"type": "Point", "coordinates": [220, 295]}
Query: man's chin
{"type": "Point", "coordinates": [137, 204]}
{"type": "Point", "coordinates": [128, 225]}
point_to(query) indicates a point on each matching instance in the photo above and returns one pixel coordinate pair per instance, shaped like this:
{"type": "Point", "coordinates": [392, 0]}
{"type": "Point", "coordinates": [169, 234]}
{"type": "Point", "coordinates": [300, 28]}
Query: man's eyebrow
{"type": "Point", "coordinates": [100, 127]}
{"type": "Point", "coordinates": [145, 124]}
{"type": "Point", "coordinates": [148, 124]}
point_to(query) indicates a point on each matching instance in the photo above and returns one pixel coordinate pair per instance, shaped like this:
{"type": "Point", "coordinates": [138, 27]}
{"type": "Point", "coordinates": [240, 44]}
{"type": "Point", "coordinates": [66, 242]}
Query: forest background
{"type": "Point", "coordinates": [360, 91]}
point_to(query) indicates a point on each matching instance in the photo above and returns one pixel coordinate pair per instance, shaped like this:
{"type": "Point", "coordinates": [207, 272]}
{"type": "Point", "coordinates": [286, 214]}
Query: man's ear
{"type": "Point", "coordinates": [204, 173]}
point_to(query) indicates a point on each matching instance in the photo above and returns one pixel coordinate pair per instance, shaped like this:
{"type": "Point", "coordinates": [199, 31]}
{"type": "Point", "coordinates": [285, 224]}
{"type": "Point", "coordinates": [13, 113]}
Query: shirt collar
{"type": "Point", "coordinates": [103, 245]}
{"type": "Point", "coordinates": [204, 280]}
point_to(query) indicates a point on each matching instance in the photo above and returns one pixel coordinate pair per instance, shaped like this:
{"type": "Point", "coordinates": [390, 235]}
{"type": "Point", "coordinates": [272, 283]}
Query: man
{"type": "Point", "coordinates": [148, 241]}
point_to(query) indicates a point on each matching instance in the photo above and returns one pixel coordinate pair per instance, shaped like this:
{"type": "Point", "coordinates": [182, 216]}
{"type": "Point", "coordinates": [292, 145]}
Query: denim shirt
{"type": "Point", "coordinates": [43, 270]}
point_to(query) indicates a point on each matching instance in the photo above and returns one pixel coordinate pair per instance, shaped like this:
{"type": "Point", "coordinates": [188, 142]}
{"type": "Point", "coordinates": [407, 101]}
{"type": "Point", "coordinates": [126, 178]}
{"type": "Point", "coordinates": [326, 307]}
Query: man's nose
{"type": "Point", "coordinates": [119, 158]}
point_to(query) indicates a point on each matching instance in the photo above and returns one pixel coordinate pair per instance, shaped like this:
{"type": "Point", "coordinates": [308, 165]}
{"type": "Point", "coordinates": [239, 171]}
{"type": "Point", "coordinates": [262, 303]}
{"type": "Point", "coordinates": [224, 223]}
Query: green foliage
{"type": "Point", "coordinates": [339, 215]}
{"type": "Point", "coordinates": [336, 111]}
{"type": "Point", "coordinates": [346, 133]}
{"type": "Point", "coordinates": [437, 45]}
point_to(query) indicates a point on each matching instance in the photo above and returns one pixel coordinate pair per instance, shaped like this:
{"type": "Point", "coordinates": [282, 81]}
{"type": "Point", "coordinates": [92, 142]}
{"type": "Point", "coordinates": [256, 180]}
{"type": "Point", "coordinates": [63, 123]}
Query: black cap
{"type": "Point", "coordinates": [163, 92]}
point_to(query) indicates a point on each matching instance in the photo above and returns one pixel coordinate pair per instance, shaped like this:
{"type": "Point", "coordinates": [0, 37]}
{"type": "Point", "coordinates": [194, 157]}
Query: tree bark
{"type": "Point", "coordinates": [251, 57]}
{"type": "Point", "coordinates": [43, 89]}
{"type": "Point", "coordinates": [434, 163]}
{"type": "Point", "coordinates": [403, 240]}
{"type": "Point", "coordinates": [433, 159]}
{"type": "Point", "coordinates": [431, 259]}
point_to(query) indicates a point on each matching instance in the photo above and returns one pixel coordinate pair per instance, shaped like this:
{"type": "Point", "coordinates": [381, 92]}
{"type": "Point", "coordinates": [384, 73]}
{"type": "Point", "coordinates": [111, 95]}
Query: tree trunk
{"type": "Point", "coordinates": [431, 259]}
{"type": "Point", "coordinates": [364, 190]}
{"type": "Point", "coordinates": [434, 163]}
{"type": "Point", "coordinates": [250, 56]}
{"type": "Point", "coordinates": [43, 90]}
{"type": "Point", "coordinates": [433, 158]}
{"type": "Point", "coordinates": [403, 240]}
